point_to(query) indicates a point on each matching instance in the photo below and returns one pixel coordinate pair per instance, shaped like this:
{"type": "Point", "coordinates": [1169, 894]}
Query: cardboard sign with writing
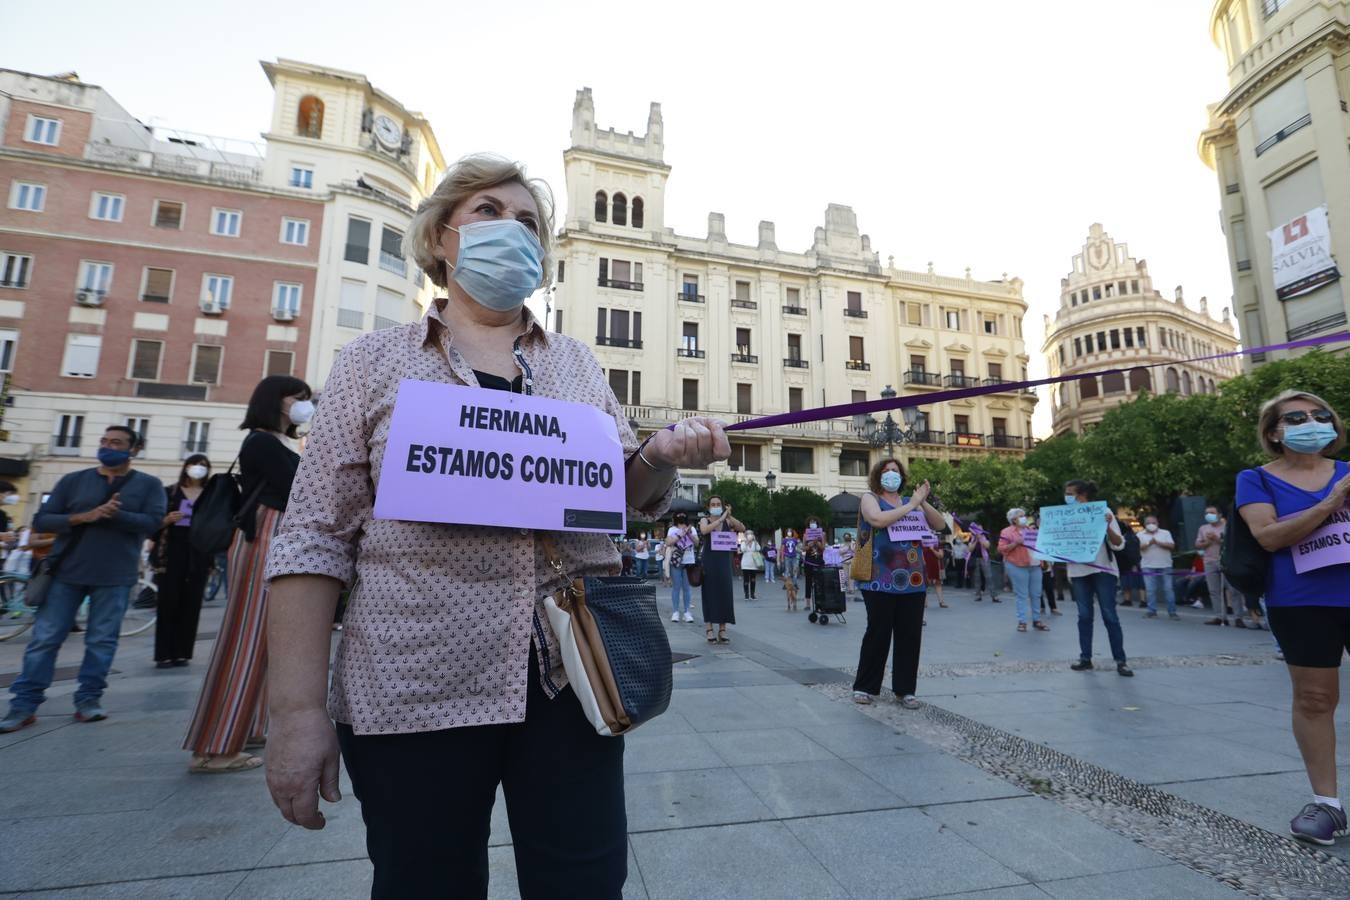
{"type": "Point", "coordinates": [1329, 545]}
{"type": "Point", "coordinates": [1029, 536]}
{"type": "Point", "coordinates": [723, 540]}
{"type": "Point", "coordinates": [1074, 533]}
{"type": "Point", "coordinates": [474, 456]}
{"type": "Point", "coordinates": [814, 534]}
{"type": "Point", "coordinates": [913, 527]}
{"type": "Point", "coordinates": [834, 556]}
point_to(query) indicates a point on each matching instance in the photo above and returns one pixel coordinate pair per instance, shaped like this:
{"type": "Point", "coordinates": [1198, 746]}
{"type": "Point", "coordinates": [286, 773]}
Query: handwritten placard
{"type": "Point", "coordinates": [724, 540]}
{"type": "Point", "coordinates": [1073, 533]}
{"type": "Point", "coordinates": [1329, 545]}
{"type": "Point", "coordinates": [475, 456]}
{"type": "Point", "coordinates": [815, 534]}
{"type": "Point", "coordinates": [913, 527]}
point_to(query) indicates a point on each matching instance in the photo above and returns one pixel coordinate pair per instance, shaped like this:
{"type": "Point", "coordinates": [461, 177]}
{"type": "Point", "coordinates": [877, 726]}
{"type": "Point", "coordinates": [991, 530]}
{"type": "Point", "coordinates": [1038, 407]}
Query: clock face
{"type": "Point", "coordinates": [387, 132]}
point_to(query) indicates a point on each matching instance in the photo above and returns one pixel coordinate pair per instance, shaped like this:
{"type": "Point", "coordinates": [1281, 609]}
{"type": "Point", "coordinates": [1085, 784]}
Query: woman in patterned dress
{"type": "Point", "coordinates": [896, 592]}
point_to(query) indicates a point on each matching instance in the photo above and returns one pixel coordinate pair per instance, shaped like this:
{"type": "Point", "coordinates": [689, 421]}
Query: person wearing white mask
{"type": "Point", "coordinates": [1155, 551]}
{"type": "Point", "coordinates": [180, 569]}
{"type": "Point", "coordinates": [1209, 541]}
{"type": "Point", "coordinates": [448, 681]}
{"type": "Point", "coordinates": [231, 711]}
{"type": "Point", "coordinates": [1022, 570]}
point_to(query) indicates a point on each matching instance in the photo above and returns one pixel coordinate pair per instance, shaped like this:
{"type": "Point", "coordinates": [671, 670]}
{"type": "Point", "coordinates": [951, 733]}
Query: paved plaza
{"type": "Point", "coordinates": [1018, 779]}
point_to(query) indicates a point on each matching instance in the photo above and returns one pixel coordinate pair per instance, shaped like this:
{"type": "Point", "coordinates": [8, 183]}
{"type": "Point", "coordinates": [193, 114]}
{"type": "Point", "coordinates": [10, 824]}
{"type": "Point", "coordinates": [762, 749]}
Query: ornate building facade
{"type": "Point", "coordinates": [686, 325]}
{"type": "Point", "coordinates": [1111, 317]}
{"type": "Point", "coordinates": [1277, 143]}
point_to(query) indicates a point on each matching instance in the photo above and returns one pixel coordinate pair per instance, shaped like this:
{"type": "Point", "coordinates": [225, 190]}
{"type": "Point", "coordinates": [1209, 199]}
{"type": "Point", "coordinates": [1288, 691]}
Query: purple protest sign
{"type": "Point", "coordinates": [833, 556]}
{"type": "Point", "coordinates": [913, 527]}
{"type": "Point", "coordinates": [723, 540]}
{"type": "Point", "coordinates": [475, 456]}
{"type": "Point", "coordinates": [814, 534]}
{"type": "Point", "coordinates": [1329, 545]}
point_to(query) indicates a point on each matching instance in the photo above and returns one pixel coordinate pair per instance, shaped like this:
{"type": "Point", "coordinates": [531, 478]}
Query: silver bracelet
{"type": "Point", "coordinates": [643, 457]}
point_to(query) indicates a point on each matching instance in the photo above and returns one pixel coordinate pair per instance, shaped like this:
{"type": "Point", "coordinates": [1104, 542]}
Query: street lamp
{"type": "Point", "coordinates": [887, 433]}
{"type": "Point", "coordinates": [770, 481]}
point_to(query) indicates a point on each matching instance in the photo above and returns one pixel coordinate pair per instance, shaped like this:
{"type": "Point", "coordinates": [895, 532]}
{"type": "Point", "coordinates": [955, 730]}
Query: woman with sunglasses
{"type": "Point", "coordinates": [1285, 503]}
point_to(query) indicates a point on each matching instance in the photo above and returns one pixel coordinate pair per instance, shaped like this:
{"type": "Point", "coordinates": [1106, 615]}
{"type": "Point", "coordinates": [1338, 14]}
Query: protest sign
{"type": "Point", "coordinates": [913, 527]}
{"type": "Point", "coordinates": [1029, 536]}
{"type": "Point", "coordinates": [475, 456]}
{"type": "Point", "coordinates": [1074, 533]}
{"type": "Point", "coordinates": [814, 534]}
{"type": "Point", "coordinates": [724, 540]}
{"type": "Point", "coordinates": [1329, 545]}
{"type": "Point", "coordinates": [833, 556]}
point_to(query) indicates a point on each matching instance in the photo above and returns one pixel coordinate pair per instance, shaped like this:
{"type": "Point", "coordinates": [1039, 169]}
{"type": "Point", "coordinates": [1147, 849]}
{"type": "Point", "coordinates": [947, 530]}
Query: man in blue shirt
{"type": "Point", "coordinates": [102, 517]}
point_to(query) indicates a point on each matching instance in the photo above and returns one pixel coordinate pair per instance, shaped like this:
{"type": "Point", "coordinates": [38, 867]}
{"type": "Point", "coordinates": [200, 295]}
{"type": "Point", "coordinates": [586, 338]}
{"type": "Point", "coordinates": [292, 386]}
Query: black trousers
{"type": "Point", "coordinates": [178, 603]}
{"type": "Point", "coordinates": [427, 802]}
{"type": "Point", "coordinates": [748, 582]}
{"type": "Point", "coordinates": [892, 620]}
{"type": "Point", "coordinates": [1048, 589]}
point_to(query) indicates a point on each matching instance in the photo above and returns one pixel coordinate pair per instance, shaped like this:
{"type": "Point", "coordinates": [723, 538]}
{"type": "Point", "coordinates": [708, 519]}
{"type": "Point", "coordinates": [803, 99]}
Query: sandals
{"type": "Point", "coordinates": [219, 765]}
{"type": "Point", "coordinates": [1040, 626]}
{"type": "Point", "coordinates": [722, 638]}
{"type": "Point", "coordinates": [711, 639]}
{"type": "Point", "coordinates": [942, 604]}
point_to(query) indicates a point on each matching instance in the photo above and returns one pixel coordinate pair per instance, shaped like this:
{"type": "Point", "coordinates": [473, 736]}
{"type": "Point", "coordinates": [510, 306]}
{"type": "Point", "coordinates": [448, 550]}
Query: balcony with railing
{"type": "Point", "coordinates": [964, 439]}
{"type": "Point", "coordinates": [392, 262]}
{"type": "Point", "coordinates": [690, 352]}
{"type": "Point", "coordinates": [794, 310]}
{"type": "Point", "coordinates": [796, 362]}
{"type": "Point", "coordinates": [620, 285]}
{"type": "Point", "coordinates": [961, 381]}
{"type": "Point", "coordinates": [1298, 124]}
{"type": "Point", "coordinates": [1005, 441]}
{"type": "Point", "coordinates": [744, 304]}
{"type": "Point", "coordinates": [351, 318]}
{"type": "Point", "coordinates": [1312, 328]}
{"type": "Point", "coordinates": [748, 358]}
{"type": "Point", "coordinates": [920, 378]}
{"type": "Point", "coordinates": [627, 343]}
{"type": "Point", "coordinates": [855, 313]}
{"type": "Point", "coordinates": [930, 437]}
{"type": "Point", "coordinates": [689, 297]}
{"type": "Point", "coordinates": [15, 283]}
{"type": "Point", "coordinates": [857, 365]}
{"type": "Point", "coordinates": [994, 382]}
{"type": "Point", "coordinates": [381, 323]}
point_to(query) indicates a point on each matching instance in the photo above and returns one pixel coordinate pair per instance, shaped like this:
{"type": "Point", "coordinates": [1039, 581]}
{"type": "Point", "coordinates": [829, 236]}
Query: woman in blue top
{"type": "Point", "coordinates": [895, 595]}
{"type": "Point", "coordinates": [1286, 503]}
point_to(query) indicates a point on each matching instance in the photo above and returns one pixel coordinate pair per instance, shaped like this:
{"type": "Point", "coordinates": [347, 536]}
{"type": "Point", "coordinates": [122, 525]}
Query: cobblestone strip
{"type": "Point", "coordinates": [1236, 853]}
{"type": "Point", "coordinates": [1022, 667]}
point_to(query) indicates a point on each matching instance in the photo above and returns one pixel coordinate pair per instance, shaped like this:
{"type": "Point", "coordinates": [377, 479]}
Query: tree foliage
{"type": "Point", "coordinates": [794, 505]}
{"type": "Point", "coordinates": [763, 511]}
{"type": "Point", "coordinates": [1054, 459]}
{"type": "Point", "coordinates": [982, 489]}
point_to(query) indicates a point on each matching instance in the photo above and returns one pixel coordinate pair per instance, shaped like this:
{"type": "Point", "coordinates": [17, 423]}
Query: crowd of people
{"type": "Point", "coordinates": [447, 660]}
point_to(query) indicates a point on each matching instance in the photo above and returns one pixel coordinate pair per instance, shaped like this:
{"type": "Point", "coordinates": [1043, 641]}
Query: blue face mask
{"type": "Point", "coordinates": [891, 481]}
{"type": "Point", "coordinates": [1211, 518]}
{"type": "Point", "coordinates": [500, 263]}
{"type": "Point", "coordinates": [1310, 437]}
{"type": "Point", "coordinates": [1070, 499]}
{"type": "Point", "coordinates": [113, 459]}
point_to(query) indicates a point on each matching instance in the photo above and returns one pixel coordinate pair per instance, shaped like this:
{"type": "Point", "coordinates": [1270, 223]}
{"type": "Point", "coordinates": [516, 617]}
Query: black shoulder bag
{"type": "Point", "coordinates": [1243, 560]}
{"type": "Point", "coordinates": [35, 593]}
{"type": "Point", "coordinates": [222, 509]}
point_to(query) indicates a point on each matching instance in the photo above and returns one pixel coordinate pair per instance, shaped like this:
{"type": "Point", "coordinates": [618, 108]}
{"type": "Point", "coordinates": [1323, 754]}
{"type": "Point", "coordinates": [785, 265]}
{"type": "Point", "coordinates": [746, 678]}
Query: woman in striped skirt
{"type": "Point", "coordinates": [231, 711]}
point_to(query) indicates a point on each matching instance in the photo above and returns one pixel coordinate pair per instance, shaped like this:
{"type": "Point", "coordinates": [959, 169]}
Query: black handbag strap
{"type": "Point", "coordinates": [54, 564]}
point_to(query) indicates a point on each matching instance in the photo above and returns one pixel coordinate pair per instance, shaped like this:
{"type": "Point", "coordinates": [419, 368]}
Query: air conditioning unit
{"type": "Point", "coordinates": [283, 315]}
{"type": "Point", "coordinates": [212, 308]}
{"type": "Point", "coordinates": [89, 298]}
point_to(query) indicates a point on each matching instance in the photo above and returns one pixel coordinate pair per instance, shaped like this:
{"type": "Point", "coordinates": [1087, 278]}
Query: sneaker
{"type": "Point", "coordinates": [1124, 670]}
{"type": "Point", "coordinates": [995, 599]}
{"type": "Point", "coordinates": [863, 699]}
{"type": "Point", "coordinates": [674, 617]}
{"type": "Point", "coordinates": [90, 712]}
{"type": "Point", "coordinates": [1198, 605]}
{"type": "Point", "coordinates": [1319, 823]}
{"type": "Point", "coordinates": [16, 720]}
{"type": "Point", "coordinates": [1083, 665]}
{"type": "Point", "coordinates": [688, 618]}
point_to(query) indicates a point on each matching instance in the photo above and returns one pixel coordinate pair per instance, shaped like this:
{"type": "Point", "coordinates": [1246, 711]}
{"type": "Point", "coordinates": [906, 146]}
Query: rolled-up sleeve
{"type": "Point", "coordinates": [332, 495]}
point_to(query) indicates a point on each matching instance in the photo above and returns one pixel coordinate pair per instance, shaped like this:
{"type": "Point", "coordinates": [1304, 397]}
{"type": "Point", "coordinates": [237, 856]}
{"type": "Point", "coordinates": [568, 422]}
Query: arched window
{"type": "Point", "coordinates": [1087, 387]}
{"type": "Point", "coordinates": [601, 207]}
{"type": "Point", "coordinates": [309, 119]}
{"type": "Point", "coordinates": [1186, 385]}
{"type": "Point", "coordinates": [637, 212]}
{"type": "Point", "coordinates": [1213, 388]}
{"type": "Point", "coordinates": [1140, 380]}
{"type": "Point", "coordinates": [1173, 381]}
{"type": "Point", "coordinates": [619, 216]}
{"type": "Point", "coordinates": [1113, 383]}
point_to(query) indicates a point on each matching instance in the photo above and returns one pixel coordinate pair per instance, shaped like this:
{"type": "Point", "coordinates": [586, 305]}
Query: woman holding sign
{"type": "Point", "coordinates": [719, 529]}
{"type": "Point", "coordinates": [1296, 508]}
{"type": "Point", "coordinates": [448, 681]}
{"type": "Point", "coordinates": [895, 593]}
{"type": "Point", "coordinates": [1024, 572]}
{"type": "Point", "coordinates": [1096, 576]}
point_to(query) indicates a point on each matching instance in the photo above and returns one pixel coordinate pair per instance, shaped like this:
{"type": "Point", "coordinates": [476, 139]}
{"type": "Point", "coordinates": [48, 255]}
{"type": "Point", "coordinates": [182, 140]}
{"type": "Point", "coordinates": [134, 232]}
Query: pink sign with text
{"type": "Point", "coordinates": [913, 527]}
{"type": "Point", "coordinates": [474, 456]}
{"type": "Point", "coordinates": [1329, 545]}
{"type": "Point", "coordinates": [724, 540]}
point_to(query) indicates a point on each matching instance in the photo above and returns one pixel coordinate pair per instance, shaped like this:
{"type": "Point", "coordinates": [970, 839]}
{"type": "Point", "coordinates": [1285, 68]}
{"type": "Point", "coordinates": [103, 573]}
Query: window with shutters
{"type": "Point", "coordinates": [1087, 388]}
{"type": "Point", "coordinates": [15, 270]}
{"type": "Point", "coordinates": [1113, 383]}
{"type": "Point", "coordinates": [391, 251]}
{"type": "Point", "coordinates": [168, 214]}
{"type": "Point", "coordinates": [743, 399]}
{"type": "Point", "coordinates": [352, 304]}
{"type": "Point", "coordinates": [390, 308]}
{"type": "Point", "coordinates": [794, 399]}
{"type": "Point", "coordinates": [794, 347]}
{"type": "Point", "coordinates": [206, 363]}
{"type": "Point", "coordinates": [857, 396]}
{"type": "Point", "coordinates": [619, 210]}
{"type": "Point", "coordinates": [9, 343]}
{"type": "Point", "coordinates": [745, 457]}
{"type": "Point", "coordinates": [106, 207]}
{"type": "Point", "coordinates": [798, 460]}
{"type": "Point", "coordinates": [196, 436]}
{"type": "Point", "coordinates": [743, 341]}
{"type": "Point", "coordinates": [855, 349]}
{"type": "Point", "coordinates": [140, 425]}
{"type": "Point", "coordinates": [226, 222]}
{"type": "Point", "coordinates": [996, 373]}
{"type": "Point", "coordinates": [601, 207]}
{"type": "Point", "coordinates": [157, 285]}
{"type": "Point", "coordinates": [689, 391]}
{"type": "Point", "coordinates": [637, 212]}
{"type": "Point", "coordinates": [67, 433]}
{"type": "Point", "coordinates": [742, 291]}
{"type": "Point", "coordinates": [279, 362]}
{"type": "Point", "coordinates": [81, 359]}
{"type": "Point", "coordinates": [145, 359]}
{"type": "Point", "coordinates": [853, 463]}
{"type": "Point", "coordinates": [689, 337]}
{"type": "Point", "coordinates": [358, 241]}
{"type": "Point", "coordinates": [295, 231]}
{"type": "Point", "coordinates": [618, 383]}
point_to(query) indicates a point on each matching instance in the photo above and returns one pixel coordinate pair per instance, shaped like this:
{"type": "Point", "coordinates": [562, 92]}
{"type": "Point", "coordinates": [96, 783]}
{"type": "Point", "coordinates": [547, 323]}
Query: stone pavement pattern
{"type": "Point", "coordinates": [763, 780]}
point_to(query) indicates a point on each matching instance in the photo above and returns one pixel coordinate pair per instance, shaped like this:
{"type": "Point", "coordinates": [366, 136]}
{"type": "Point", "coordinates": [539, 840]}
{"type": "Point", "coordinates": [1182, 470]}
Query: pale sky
{"type": "Point", "coordinates": [985, 134]}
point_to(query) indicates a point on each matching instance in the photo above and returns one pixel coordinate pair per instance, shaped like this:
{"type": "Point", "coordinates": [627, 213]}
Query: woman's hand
{"type": "Point", "coordinates": [920, 495]}
{"type": "Point", "coordinates": [173, 518]}
{"type": "Point", "coordinates": [1339, 491]}
{"type": "Point", "coordinates": [302, 765]}
{"type": "Point", "coordinates": [695, 443]}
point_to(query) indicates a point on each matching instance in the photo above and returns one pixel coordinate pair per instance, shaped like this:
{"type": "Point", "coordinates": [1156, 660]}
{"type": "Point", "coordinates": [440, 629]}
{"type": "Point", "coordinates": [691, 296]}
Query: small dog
{"type": "Point", "coordinates": [790, 588]}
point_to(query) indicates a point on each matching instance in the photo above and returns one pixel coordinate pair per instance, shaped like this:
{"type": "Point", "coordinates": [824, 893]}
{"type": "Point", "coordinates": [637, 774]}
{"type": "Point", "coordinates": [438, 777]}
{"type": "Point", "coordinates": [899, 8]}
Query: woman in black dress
{"type": "Point", "coordinates": [182, 570]}
{"type": "Point", "coordinates": [718, 608]}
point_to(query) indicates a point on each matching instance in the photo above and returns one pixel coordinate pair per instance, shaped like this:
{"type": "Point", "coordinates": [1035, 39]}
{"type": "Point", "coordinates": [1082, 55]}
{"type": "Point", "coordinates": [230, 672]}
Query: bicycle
{"type": "Point", "coordinates": [16, 616]}
{"type": "Point", "coordinates": [217, 582]}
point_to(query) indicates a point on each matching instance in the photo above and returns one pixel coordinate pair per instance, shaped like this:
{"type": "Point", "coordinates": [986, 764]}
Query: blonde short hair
{"type": "Point", "coordinates": [1269, 420]}
{"type": "Point", "coordinates": [473, 173]}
